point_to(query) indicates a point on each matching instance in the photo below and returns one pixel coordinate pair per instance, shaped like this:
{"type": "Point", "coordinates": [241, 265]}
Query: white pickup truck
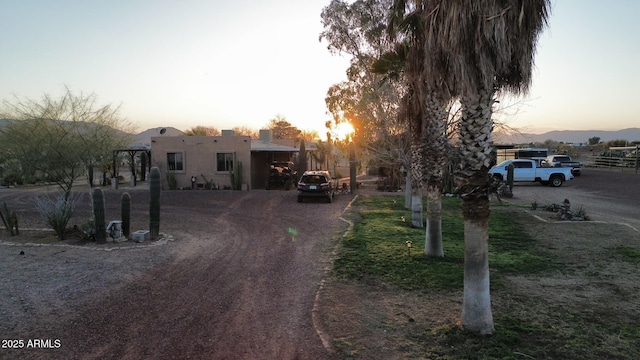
{"type": "Point", "coordinates": [527, 170]}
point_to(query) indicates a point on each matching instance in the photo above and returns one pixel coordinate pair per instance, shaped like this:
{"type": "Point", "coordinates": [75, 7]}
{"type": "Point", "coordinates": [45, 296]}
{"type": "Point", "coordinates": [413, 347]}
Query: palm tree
{"type": "Point", "coordinates": [436, 148]}
{"type": "Point", "coordinates": [410, 52]}
{"type": "Point", "coordinates": [439, 95]}
{"type": "Point", "coordinates": [488, 46]}
{"type": "Point", "coordinates": [424, 107]}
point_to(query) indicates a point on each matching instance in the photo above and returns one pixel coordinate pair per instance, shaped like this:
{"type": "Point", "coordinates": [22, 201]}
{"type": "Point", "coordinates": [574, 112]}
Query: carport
{"type": "Point", "coordinates": [263, 153]}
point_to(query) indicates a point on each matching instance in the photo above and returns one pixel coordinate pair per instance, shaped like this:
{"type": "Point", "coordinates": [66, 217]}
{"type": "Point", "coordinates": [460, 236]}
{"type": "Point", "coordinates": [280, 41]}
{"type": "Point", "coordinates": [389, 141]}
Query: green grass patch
{"type": "Point", "coordinates": [377, 247]}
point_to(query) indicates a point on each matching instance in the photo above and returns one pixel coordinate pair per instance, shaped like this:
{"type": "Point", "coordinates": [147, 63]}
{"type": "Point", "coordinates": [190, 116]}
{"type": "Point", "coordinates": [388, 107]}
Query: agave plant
{"type": "Point", "coordinates": [57, 210]}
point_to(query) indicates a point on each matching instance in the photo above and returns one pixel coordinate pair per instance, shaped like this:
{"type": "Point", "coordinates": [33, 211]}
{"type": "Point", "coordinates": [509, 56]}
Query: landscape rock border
{"type": "Point", "coordinates": [164, 239]}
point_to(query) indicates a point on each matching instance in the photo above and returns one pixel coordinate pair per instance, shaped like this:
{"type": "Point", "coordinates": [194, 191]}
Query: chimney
{"type": "Point", "coordinates": [266, 136]}
{"type": "Point", "coordinates": [228, 133]}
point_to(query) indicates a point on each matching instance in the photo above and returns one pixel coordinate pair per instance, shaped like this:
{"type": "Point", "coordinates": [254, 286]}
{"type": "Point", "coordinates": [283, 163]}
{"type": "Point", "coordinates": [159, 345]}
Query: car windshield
{"type": "Point", "coordinates": [314, 179]}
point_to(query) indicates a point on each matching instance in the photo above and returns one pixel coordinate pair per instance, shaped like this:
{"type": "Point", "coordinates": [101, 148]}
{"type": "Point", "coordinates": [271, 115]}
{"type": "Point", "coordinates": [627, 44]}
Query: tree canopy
{"type": "Point", "coordinates": [594, 140]}
{"type": "Point", "coordinates": [246, 131]}
{"type": "Point", "coordinates": [201, 130]}
{"type": "Point", "coordinates": [366, 99]}
{"type": "Point", "coordinates": [57, 139]}
{"type": "Point", "coordinates": [282, 129]}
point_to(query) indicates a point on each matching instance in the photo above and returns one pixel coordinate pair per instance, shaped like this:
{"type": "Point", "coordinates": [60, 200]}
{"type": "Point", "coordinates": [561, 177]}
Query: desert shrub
{"type": "Point", "coordinates": [209, 184]}
{"type": "Point", "coordinates": [582, 213]}
{"type": "Point", "coordinates": [89, 230]}
{"type": "Point", "coordinates": [11, 179]}
{"type": "Point", "coordinates": [10, 220]}
{"type": "Point", "coordinates": [11, 172]}
{"type": "Point", "coordinates": [56, 211]}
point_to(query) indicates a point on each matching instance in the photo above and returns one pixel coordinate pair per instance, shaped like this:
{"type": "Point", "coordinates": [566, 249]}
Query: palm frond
{"type": "Point", "coordinates": [485, 43]}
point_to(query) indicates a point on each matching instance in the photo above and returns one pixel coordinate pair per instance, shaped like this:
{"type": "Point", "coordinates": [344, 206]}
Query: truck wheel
{"type": "Point", "coordinates": [556, 181]}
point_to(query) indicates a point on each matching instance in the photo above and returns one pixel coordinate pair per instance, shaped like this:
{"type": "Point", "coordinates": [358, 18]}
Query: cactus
{"type": "Point", "coordinates": [510, 177]}
{"type": "Point", "coordinates": [90, 173]}
{"type": "Point", "coordinates": [125, 214]}
{"type": "Point", "coordinates": [154, 202]}
{"type": "Point", "coordinates": [99, 217]}
{"type": "Point", "coordinates": [236, 174]}
{"type": "Point", "coordinates": [302, 158]}
{"type": "Point", "coordinates": [143, 166]}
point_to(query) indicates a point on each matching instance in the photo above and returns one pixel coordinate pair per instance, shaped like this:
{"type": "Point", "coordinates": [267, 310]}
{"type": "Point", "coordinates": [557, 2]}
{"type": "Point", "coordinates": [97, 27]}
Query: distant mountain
{"type": "Point", "coordinates": [4, 122]}
{"type": "Point", "coordinates": [568, 136]}
{"type": "Point", "coordinates": [145, 136]}
{"type": "Point", "coordinates": [141, 138]}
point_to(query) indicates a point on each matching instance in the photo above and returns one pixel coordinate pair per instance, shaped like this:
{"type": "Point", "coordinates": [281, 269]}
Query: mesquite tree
{"type": "Point", "coordinates": [61, 138]}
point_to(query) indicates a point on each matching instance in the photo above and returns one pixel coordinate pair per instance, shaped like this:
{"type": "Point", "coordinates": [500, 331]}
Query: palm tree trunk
{"type": "Point", "coordinates": [407, 191]}
{"type": "Point", "coordinates": [473, 186]}
{"type": "Point", "coordinates": [416, 185]}
{"type": "Point", "coordinates": [436, 147]}
{"type": "Point", "coordinates": [417, 166]}
{"type": "Point", "coordinates": [433, 241]}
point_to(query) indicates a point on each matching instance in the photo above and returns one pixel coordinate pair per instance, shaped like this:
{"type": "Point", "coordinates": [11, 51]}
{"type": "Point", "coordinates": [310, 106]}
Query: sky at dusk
{"type": "Point", "coordinates": [227, 64]}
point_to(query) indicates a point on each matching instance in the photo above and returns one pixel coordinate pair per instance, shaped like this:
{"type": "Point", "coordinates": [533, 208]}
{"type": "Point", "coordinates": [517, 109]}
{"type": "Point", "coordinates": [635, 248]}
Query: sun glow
{"type": "Point", "coordinates": [343, 131]}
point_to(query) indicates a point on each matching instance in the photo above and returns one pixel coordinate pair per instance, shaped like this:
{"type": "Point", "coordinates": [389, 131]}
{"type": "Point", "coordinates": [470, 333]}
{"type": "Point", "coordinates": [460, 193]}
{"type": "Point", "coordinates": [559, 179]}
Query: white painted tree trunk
{"type": "Point", "coordinates": [433, 241]}
{"type": "Point", "coordinates": [476, 309]}
{"type": "Point", "coordinates": [416, 207]}
{"type": "Point", "coordinates": [407, 192]}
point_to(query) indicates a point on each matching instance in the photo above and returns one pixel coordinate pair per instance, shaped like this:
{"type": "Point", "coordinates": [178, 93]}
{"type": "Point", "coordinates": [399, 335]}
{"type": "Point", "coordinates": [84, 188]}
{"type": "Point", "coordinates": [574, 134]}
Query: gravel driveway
{"type": "Point", "coordinates": [609, 196]}
{"type": "Point", "coordinates": [234, 282]}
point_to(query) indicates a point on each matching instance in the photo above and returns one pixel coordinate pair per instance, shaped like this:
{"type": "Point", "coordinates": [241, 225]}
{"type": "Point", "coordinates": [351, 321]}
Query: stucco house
{"type": "Point", "coordinates": [211, 158]}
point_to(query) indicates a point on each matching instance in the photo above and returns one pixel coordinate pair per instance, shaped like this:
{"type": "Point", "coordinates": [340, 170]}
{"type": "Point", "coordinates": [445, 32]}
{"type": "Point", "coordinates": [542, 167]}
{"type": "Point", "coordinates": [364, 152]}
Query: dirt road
{"type": "Point", "coordinates": [609, 196]}
{"type": "Point", "coordinates": [238, 281]}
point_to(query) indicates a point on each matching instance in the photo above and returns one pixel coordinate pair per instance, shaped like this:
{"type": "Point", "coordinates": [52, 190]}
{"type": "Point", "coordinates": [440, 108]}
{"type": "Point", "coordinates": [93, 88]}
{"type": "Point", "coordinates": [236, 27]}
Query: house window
{"type": "Point", "coordinates": [225, 161]}
{"type": "Point", "coordinates": [175, 161]}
